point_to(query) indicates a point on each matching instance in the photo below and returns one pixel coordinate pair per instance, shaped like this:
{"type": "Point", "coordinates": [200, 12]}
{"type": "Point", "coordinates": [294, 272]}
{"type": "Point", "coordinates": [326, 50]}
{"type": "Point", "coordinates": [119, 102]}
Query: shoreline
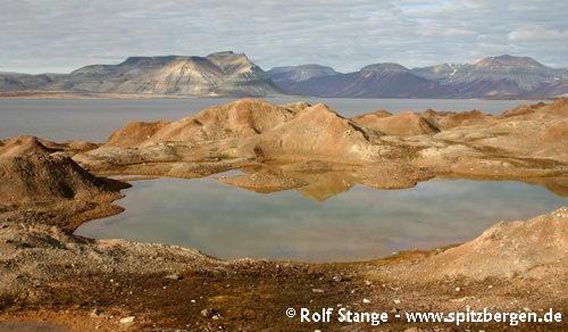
{"type": "Point", "coordinates": [71, 95]}
{"type": "Point", "coordinates": [536, 182]}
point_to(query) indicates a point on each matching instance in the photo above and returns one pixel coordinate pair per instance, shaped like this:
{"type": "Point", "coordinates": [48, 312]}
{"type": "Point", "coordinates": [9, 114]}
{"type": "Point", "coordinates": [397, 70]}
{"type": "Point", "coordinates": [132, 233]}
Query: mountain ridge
{"type": "Point", "coordinates": [495, 77]}
{"type": "Point", "coordinates": [233, 74]}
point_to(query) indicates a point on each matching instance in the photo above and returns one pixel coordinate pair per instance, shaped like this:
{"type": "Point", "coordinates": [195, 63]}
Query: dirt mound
{"type": "Point", "coordinates": [244, 130]}
{"type": "Point", "coordinates": [33, 182]}
{"type": "Point", "coordinates": [317, 132]}
{"type": "Point", "coordinates": [263, 181]}
{"type": "Point", "coordinates": [517, 111]}
{"type": "Point", "coordinates": [403, 124]}
{"type": "Point", "coordinates": [370, 118]}
{"type": "Point", "coordinates": [509, 248]}
{"type": "Point", "coordinates": [23, 145]}
{"type": "Point", "coordinates": [558, 107]}
{"type": "Point", "coordinates": [557, 132]}
{"type": "Point", "coordinates": [29, 173]}
{"type": "Point", "coordinates": [242, 118]}
{"type": "Point", "coordinates": [251, 132]}
{"type": "Point", "coordinates": [296, 106]}
{"type": "Point", "coordinates": [134, 133]}
{"type": "Point", "coordinates": [448, 120]}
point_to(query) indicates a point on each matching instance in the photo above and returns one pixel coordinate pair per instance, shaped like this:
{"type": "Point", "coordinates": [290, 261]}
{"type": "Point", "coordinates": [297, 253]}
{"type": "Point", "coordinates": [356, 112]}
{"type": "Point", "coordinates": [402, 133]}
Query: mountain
{"type": "Point", "coordinates": [19, 82]}
{"type": "Point", "coordinates": [383, 80]}
{"type": "Point", "coordinates": [437, 72]}
{"type": "Point", "coordinates": [498, 77]}
{"type": "Point", "coordinates": [233, 74]}
{"type": "Point", "coordinates": [286, 76]}
{"type": "Point", "coordinates": [218, 74]}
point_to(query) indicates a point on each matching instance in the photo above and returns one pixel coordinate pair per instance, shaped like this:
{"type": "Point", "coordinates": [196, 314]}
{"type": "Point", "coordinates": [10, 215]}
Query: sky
{"type": "Point", "coordinates": [62, 35]}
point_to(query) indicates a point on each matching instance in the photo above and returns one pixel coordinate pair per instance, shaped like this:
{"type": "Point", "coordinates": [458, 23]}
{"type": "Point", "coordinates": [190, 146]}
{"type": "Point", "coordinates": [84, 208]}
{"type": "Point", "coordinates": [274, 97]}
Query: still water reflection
{"type": "Point", "coordinates": [362, 223]}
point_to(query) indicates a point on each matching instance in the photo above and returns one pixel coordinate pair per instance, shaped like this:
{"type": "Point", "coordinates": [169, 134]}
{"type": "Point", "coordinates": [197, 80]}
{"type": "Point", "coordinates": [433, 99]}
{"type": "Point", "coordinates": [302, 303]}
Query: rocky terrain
{"type": "Point", "coordinates": [499, 77]}
{"type": "Point", "coordinates": [218, 74]}
{"type": "Point", "coordinates": [52, 279]}
{"type": "Point", "coordinates": [526, 144]}
{"type": "Point", "coordinates": [41, 183]}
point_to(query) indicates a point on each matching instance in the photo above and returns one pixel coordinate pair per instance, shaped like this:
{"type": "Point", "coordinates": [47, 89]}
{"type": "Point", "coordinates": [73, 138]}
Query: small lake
{"type": "Point", "coordinates": [363, 223]}
{"type": "Point", "coordinates": [95, 120]}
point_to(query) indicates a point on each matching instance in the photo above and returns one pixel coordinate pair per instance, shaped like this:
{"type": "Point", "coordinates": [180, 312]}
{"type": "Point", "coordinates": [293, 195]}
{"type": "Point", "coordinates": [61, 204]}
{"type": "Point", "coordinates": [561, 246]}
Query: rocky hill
{"type": "Point", "coordinates": [318, 152]}
{"type": "Point", "coordinates": [39, 182]}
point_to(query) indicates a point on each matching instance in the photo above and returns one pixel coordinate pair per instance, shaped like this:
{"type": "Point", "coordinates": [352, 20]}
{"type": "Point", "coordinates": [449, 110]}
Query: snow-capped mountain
{"type": "Point", "coordinates": [500, 76]}
{"type": "Point", "coordinates": [492, 77]}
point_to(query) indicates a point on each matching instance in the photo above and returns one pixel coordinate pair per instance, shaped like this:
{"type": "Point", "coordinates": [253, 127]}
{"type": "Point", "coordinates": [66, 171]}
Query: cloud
{"type": "Point", "coordinates": [56, 36]}
{"type": "Point", "coordinates": [538, 33]}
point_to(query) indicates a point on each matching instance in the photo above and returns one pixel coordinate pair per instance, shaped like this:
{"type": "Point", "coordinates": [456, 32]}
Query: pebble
{"type": "Point", "coordinates": [337, 278]}
{"type": "Point", "coordinates": [396, 301]}
{"type": "Point", "coordinates": [127, 320]}
{"type": "Point", "coordinates": [95, 312]}
{"type": "Point", "coordinates": [213, 313]}
{"type": "Point", "coordinates": [317, 290]}
{"type": "Point", "coordinates": [458, 289]}
{"type": "Point", "coordinates": [174, 276]}
{"type": "Point", "coordinates": [366, 301]}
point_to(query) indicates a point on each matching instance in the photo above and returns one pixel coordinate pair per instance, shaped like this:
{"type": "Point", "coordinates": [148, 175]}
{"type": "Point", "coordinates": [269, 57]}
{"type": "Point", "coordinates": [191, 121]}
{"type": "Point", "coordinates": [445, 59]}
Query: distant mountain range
{"type": "Point", "coordinates": [233, 74]}
{"type": "Point", "coordinates": [498, 77]}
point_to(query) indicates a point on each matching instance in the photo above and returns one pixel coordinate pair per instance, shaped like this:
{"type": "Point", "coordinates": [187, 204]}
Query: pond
{"type": "Point", "coordinates": [362, 223]}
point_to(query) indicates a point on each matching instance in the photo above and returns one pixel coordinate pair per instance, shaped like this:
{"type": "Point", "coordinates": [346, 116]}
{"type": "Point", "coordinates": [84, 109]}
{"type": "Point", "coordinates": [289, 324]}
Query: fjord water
{"type": "Point", "coordinates": [363, 223]}
{"type": "Point", "coordinates": [94, 120]}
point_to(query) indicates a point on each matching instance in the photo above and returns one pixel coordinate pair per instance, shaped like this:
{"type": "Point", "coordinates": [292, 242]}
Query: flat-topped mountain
{"type": "Point", "coordinates": [283, 76]}
{"type": "Point", "coordinates": [218, 74]}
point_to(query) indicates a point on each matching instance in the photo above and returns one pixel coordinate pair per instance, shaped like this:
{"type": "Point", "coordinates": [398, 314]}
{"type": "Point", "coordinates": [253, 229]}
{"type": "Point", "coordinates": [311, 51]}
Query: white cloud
{"type": "Point", "coordinates": [538, 33]}
{"type": "Point", "coordinates": [55, 35]}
